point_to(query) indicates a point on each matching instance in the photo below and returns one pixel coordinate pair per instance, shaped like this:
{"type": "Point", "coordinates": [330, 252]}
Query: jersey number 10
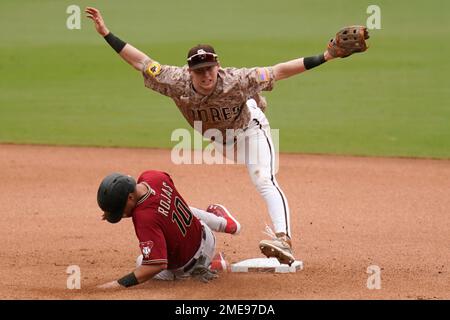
{"type": "Point", "coordinates": [182, 215]}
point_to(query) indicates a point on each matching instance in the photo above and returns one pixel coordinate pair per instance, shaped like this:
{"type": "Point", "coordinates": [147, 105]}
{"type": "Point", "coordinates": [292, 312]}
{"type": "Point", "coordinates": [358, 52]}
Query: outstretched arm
{"type": "Point", "coordinates": [130, 54]}
{"type": "Point", "coordinates": [139, 275]}
{"type": "Point", "coordinates": [348, 40]}
{"type": "Point", "coordinates": [290, 68]}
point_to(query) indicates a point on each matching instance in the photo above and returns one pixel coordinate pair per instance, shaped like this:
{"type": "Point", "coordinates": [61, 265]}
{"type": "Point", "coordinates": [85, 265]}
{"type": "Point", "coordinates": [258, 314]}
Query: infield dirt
{"type": "Point", "coordinates": [347, 214]}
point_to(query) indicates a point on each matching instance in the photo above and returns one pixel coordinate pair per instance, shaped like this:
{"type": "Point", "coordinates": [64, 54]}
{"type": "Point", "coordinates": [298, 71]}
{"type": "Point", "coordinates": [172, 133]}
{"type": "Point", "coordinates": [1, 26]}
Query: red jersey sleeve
{"type": "Point", "coordinates": [152, 245]}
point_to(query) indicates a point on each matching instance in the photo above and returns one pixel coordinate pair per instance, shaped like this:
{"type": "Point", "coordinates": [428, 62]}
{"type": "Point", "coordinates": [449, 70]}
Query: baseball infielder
{"type": "Point", "coordinates": [229, 98]}
{"type": "Point", "coordinates": [176, 240]}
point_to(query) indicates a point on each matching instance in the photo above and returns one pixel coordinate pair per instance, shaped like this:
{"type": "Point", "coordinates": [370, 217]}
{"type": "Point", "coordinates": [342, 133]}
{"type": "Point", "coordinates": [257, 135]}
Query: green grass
{"type": "Point", "coordinates": [67, 87]}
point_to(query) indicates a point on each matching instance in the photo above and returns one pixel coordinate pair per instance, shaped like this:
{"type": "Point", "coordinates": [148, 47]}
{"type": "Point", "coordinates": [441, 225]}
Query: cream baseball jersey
{"type": "Point", "coordinates": [223, 109]}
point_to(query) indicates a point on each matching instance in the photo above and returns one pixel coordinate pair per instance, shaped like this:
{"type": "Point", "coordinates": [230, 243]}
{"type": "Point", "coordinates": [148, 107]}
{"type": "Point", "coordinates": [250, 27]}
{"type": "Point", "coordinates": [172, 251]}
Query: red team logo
{"type": "Point", "coordinates": [146, 248]}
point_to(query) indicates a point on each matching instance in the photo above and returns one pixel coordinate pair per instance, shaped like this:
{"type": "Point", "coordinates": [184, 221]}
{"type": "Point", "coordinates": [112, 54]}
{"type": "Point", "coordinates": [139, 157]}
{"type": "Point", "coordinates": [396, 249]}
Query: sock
{"type": "Point", "coordinates": [214, 222]}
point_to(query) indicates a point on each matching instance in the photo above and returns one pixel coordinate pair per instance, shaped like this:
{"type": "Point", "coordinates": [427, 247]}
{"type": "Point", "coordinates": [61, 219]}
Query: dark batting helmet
{"type": "Point", "coordinates": [112, 195]}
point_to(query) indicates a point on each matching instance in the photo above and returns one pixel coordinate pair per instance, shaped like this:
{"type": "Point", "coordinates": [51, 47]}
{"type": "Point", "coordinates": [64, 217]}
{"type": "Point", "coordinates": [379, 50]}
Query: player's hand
{"type": "Point", "coordinates": [109, 285]}
{"type": "Point", "coordinates": [95, 15]}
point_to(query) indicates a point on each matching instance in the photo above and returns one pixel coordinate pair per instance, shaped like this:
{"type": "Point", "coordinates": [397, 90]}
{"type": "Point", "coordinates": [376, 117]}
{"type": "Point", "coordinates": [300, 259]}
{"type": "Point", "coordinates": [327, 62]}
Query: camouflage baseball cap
{"type": "Point", "coordinates": [202, 55]}
{"type": "Point", "coordinates": [112, 195]}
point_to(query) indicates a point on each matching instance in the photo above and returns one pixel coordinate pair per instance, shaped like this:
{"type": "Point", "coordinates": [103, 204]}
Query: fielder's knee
{"type": "Point", "coordinates": [263, 182]}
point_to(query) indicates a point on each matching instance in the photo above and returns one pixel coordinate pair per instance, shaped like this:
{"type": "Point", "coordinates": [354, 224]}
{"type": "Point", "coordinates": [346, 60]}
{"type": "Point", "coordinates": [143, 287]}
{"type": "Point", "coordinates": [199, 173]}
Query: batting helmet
{"type": "Point", "coordinates": [112, 195]}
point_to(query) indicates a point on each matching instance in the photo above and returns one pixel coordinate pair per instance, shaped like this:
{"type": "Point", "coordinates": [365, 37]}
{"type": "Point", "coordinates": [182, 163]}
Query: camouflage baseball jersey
{"type": "Point", "coordinates": [223, 109]}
